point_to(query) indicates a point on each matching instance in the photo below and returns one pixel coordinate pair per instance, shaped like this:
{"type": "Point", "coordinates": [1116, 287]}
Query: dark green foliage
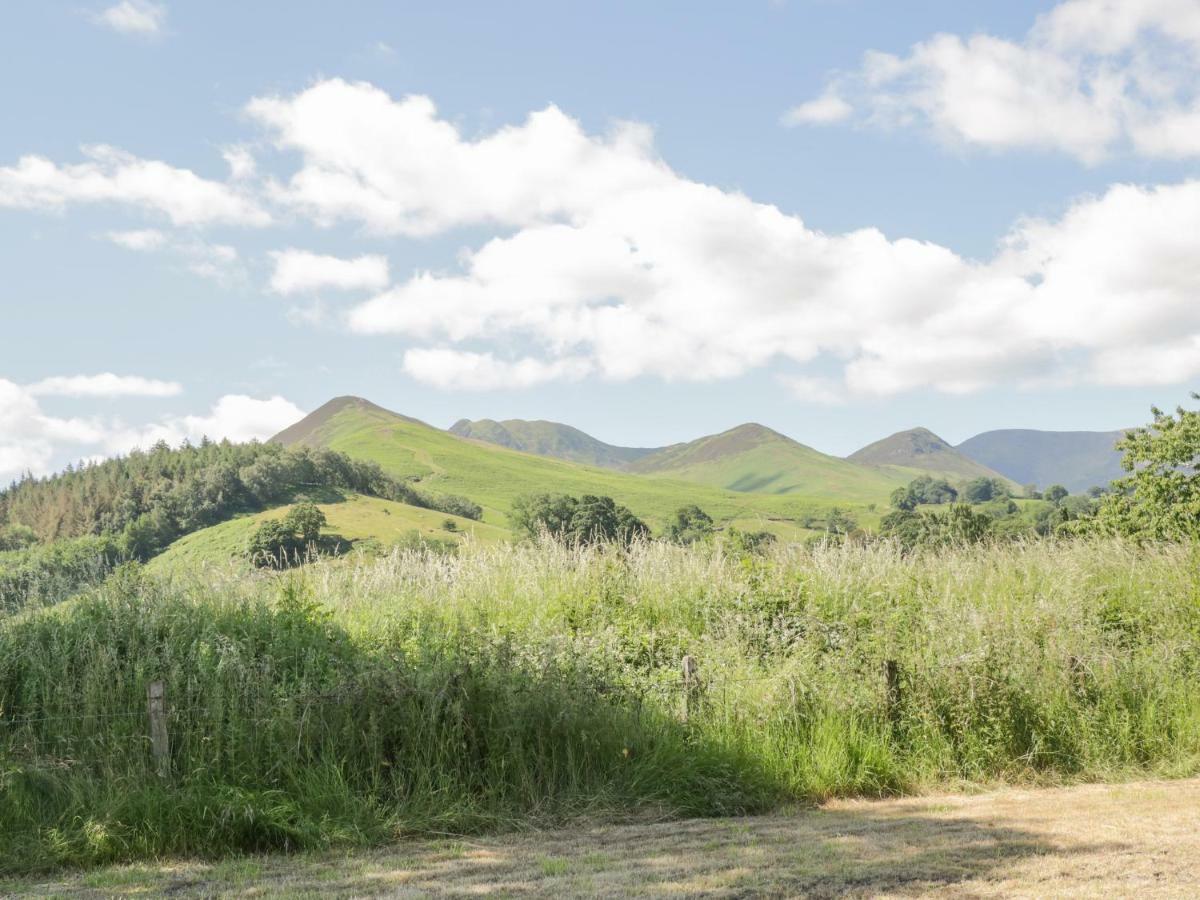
{"type": "Point", "coordinates": [287, 733]}
{"type": "Point", "coordinates": [958, 525]}
{"type": "Point", "coordinates": [576, 520]}
{"type": "Point", "coordinates": [921, 490]}
{"type": "Point", "coordinates": [1055, 493]}
{"type": "Point", "coordinates": [16, 537]}
{"type": "Point", "coordinates": [981, 490]}
{"type": "Point", "coordinates": [277, 542]}
{"type": "Point", "coordinates": [689, 525]}
{"type": "Point", "coordinates": [152, 498]}
{"type": "Point", "coordinates": [46, 573]}
{"type": "Point", "coordinates": [1160, 497]}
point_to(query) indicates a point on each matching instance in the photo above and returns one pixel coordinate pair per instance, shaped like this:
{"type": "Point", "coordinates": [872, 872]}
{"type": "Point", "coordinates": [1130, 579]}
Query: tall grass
{"type": "Point", "coordinates": [501, 687]}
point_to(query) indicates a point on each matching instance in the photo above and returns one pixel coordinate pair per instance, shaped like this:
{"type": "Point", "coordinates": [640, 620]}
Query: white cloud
{"type": "Point", "coordinates": [215, 261]}
{"type": "Point", "coordinates": [234, 417]}
{"type": "Point", "coordinates": [241, 162]}
{"type": "Point", "coordinates": [140, 240]}
{"type": "Point", "coordinates": [105, 384]}
{"type": "Point", "coordinates": [33, 440]}
{"type": "Point", "coordinates": [297, 271]}
{"type": "Point", "coordinates": [399, 169]}
{"type": "Point", "coordinates": [114, 176]}
{"type": "Point", "coordinates": [824, 110]}
{"type": "Point", "coordinates": [614, 265]}
{"type": "Point", "coordinates": [139, 17]}
{"type": "Point", "coordinates": [462, 370]}
{"type": "Point", "coordinates": [1090, 78]}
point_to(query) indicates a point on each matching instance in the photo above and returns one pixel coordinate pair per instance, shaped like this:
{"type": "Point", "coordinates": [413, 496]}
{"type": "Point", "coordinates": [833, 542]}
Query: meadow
{"type": "Point", "coordinates": [505, 687]}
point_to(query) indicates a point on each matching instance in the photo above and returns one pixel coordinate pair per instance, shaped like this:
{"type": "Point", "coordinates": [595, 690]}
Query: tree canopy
{"type": "Point", "coordinates": [587, 519]}
{"type": "Point", "coordinates": [1160, 497]}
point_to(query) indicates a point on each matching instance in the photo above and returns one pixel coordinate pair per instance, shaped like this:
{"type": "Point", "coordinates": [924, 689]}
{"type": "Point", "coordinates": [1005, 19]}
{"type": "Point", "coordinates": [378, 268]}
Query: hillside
{"type": "Point", "coordinates": [919, 451]}
{"type": "Point", "coordinates": [353, 517]}
{"type": "Point", "coordinates": [1075, 459]}
{"type": "Point", "coordinates": [492, 475]}
{"type": "Point", "coordinates": [752, 458]}
{"type": "Point", "coordinates": [550, 439]}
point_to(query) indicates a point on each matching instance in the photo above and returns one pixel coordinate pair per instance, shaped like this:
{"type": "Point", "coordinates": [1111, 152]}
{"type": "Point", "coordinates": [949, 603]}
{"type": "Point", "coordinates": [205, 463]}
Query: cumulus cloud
{"type": "Point", "coordinates": [139, 17]}
{"type": "Point", "coordinates": [614, 265]}
{"type": "Point", "coordinates": [34, 440]}
{"type": "Point", "coordinates": [463, 370]}
{"type": "Point", "coordinates": [141, 240]}
{"type": "Point", "coordinates": [1091, 77]}
{"type": "Point", "coordinates": [105, 384]}
{"type": "Point", "coordinates": [114, 176]}
{"type": "Point", "coordinates": [823, 110]}
{"type": "Point", "coordinates": [298, 271]}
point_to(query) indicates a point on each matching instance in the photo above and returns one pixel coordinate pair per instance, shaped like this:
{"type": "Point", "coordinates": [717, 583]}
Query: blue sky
{"type": "Point", "coordinates": [840, 218]}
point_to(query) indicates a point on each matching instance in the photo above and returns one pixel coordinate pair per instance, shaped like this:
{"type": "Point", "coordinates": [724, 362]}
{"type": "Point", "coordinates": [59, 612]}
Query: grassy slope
{"type": "Point", "coordinates": [918, 451]}
{"type": "Point", "coordinates": [492, 476]}
{"type": "Point", "coordinates": [550, 439]}
{"type": "Point", "coordinates": [752, 458]}
{"type": "Point", "coordinates": [356, 517]}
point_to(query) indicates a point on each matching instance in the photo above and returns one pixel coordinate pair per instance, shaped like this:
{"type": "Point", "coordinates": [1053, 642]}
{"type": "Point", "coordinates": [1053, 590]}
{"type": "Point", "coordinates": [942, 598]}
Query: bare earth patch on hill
{"type": "Point", "coordinates": [1118, 840]}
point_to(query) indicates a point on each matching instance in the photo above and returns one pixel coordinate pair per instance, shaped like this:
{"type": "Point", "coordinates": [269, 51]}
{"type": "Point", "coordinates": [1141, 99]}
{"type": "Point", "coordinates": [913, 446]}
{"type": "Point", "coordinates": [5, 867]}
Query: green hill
{"type": "Point", "coordinates": [1075, 459]}
{"type": "Point", "coordinates": [918, 451]}
{"type": "Point", "coordinates": [550, 439]}
{"type": "Point", "coordinates": [353, 517]}
{"type": "Point", "coordinates": [752, 458]}
{"type": "Point", "coordinates": [492, 475]}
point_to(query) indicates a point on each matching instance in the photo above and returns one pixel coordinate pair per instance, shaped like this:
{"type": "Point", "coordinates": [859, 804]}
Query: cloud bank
{"type": "Point", "coordinates": [609, 263]}
{"type": "Point", "coordinates": [1091, 78]}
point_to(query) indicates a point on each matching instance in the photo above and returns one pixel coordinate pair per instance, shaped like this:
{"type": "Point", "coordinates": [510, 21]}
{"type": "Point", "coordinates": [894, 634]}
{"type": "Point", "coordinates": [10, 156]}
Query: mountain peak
{"type": "Point", "coordinates": [920, 448]}
{"type": "Point", "coordinates": [303, 431]}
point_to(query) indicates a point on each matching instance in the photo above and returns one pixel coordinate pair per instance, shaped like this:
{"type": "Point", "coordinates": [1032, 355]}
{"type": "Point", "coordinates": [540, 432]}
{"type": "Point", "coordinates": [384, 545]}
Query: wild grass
{"type": "Point", "coordinates": [511, 686]}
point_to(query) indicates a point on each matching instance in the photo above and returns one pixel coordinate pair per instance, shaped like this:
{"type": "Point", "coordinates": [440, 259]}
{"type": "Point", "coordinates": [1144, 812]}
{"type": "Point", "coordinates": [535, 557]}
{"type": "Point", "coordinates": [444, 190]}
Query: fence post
{"type": "Point", "coordinates": [891, 671]}
{"type": "Point", "coordinates": [160, 742]}
{"type": "Point", "coordinates": [689, 686]}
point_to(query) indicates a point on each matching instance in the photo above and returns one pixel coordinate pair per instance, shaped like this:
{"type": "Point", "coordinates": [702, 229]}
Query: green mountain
{"type": "Point", "coordinates": [752, 458]}
{"type": "Point", "coordinates": [549, 439]}
{"type": "Point", "coordinates": [1075, 459]}
{"type": "Point", "coordinates": [918, 451]}
{"type": "Point", "coordinates": [491, 475]}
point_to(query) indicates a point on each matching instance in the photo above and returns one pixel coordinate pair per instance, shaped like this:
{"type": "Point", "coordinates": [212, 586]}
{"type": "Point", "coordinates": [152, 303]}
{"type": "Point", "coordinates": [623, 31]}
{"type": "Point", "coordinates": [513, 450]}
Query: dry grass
{"type": "Point", "coordinates": [1137, 839]}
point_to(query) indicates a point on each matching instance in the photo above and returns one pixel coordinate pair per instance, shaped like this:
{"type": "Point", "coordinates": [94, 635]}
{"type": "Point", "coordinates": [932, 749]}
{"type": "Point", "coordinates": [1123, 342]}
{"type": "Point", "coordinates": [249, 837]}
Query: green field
{"type": "Point", "coordinates": [354, 517]}
{"type": "Point", "coordinates": [493, 476]}
{"type": "Point", "coordinates": [357, 700]}
{"type": "Point", "coordinates": [754, 459]}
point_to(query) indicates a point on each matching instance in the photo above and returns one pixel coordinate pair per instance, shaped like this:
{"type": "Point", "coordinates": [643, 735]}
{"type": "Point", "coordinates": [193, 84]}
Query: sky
{"type": "Point", "coordinates": [839, 218]}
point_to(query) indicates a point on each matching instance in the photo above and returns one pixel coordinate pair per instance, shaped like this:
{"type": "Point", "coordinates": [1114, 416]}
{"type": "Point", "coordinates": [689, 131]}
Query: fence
{"type": "Point", "coordinates": [160, 726]}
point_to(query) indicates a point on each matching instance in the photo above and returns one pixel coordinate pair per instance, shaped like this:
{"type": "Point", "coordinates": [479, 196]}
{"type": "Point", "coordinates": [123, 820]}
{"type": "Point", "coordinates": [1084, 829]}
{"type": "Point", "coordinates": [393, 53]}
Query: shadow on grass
{"type": "Point", "coordinates": [826, 853]}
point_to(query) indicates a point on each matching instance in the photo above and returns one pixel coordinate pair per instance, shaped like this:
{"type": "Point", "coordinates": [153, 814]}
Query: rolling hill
{"type": "Point", "coordinates": [493, 476]}
{"type": "Point", "coordinates": [1075, 459]}
{"type": "Point", "coordinates": [918, 451]}
{"type": "Point", "coordinates": [354, 517]}
{"type": "Point", "coordinates": [550, 439]}
{"type": "Point", "coordinates": [752, 458]}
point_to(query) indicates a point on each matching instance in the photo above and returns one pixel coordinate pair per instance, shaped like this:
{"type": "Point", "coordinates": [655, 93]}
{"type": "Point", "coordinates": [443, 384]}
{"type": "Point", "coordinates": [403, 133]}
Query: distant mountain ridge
{"type": "Point", "coordinates": [550, 439]}
{"type": "Point", "coordinates": [752, 458]}
{"type": "Point", "coordinates": [919, 450]}
{"type": "Point", "coordinates": [1077, 460]}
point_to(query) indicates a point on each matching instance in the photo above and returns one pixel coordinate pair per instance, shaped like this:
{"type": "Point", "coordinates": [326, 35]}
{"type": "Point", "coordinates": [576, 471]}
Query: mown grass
{"type": "Point", "coordinates": [507, 686]}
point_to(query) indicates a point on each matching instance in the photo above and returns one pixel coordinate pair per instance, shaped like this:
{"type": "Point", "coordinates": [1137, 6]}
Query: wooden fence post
{"type": "Point", "coordinates": [891, 671]}
{"type": "Point", "coordinates": [160, 741]}
{"type": "Point", "coordinates": [689, 686]}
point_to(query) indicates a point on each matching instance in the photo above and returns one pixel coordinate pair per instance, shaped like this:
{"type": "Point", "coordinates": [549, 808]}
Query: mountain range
{"type": "Point", "coordinates": [756, 459]}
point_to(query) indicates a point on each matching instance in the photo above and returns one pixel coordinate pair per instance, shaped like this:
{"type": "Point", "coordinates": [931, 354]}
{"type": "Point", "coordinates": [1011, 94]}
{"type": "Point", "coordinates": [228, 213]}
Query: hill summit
{"type": "Point", "coordinates": [550, 439]}
{"type": "Point", "coordinates": [921, 449]}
